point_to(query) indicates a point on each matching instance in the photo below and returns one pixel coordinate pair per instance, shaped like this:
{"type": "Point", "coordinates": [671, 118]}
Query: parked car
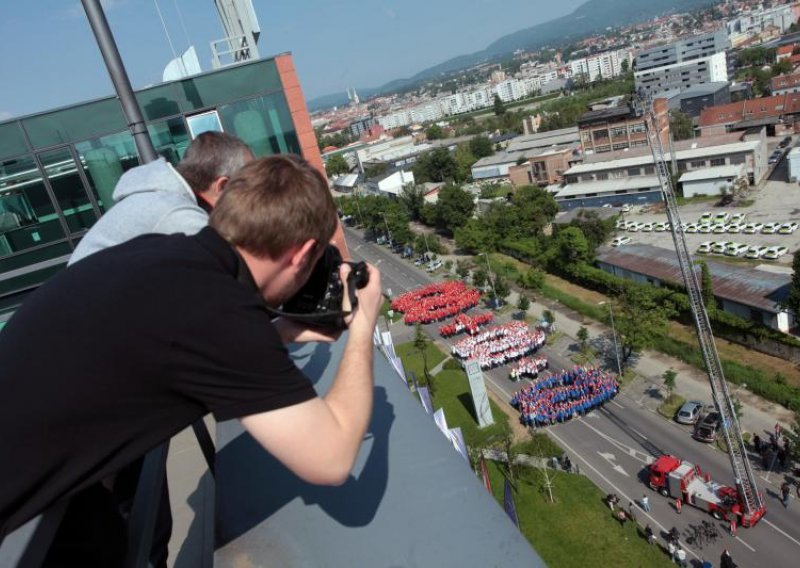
{"type": "Point", "coordinates": [787, 228]}
{"type": "Point", "coordinates": [755, 251]}
{"type": "Point", "coordinates": [707, 428]}
{"type": "Point", "coordinates": [621, 224]}
{"type": "Point", "coordinates": [738, 218]}
{"type": "Point", "coordinates": [774, 253]}
{"type": "Point", "coordinates": [420, 261]}
{"type": "Point", "coordinates": [661, 227]}
{"type": "Point", "coordinates": [719, 247]}
{"type": "Point", "coordinates": [634, 227]}
{"type": "Point", "coordinates": [721, 218]}
{"type": "Point", "coordinates": [770, 228]}
{"type": "Point", "coordinates": [719, 228]}
{"type": "Point", "coordinates": [434, 265]}
{"type": "Point", "coordinates": [735, 249]}
{"type": "Point", "coordinates": [619, 241]}
{"type": "Point", "coordinates": [734, 228]}
{"type": "Point", "coordinates": [690, 228]}
{"type": "Point", "coordinates": [646, 227]}
{"type": "Point", "coordinates": [752, 228]}
{"type": "Point", "coordinates": [705, 218]}
{"type": "Point", "coordinates": [772, 160]}
{"type": "Point", "coordinates": [705, 247]}
{"type": "Point", "coordinates": [705, 228]}
{"type": "Point", "coordinates": [626, 208]}
{"type": "Point", "coordinates": [690, 412]}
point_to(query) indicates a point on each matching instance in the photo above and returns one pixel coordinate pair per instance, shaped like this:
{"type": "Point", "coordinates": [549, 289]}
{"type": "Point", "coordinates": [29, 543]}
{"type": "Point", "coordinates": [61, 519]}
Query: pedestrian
{"type": "Point", "coordinates": [622, 518]}
{"type": "Point", "coordinates": [610, 501]}
{"type": "Point", "coordinates": [725, 560]}
{"type": "Point", "coordinates": [757, 444]}
{"type": "Point", "coordinates": [777, 431]}
{"type": "Point", "coordinates": [649, 534]}
{"type": "Point", "coordinates": [671, 548]}
{"type": "Point", "coordinates": [631, 512]}
{"type": "Point", "coordinates": [645, 503]}
{"type": "Point", "coordinates": [678, 505]}
{"type": "Point", "coordinates": [785, 490]}
{"type": "Point", "coordinates": [680, 556]}
{"type": "Point", "coordinates": [732, 526]}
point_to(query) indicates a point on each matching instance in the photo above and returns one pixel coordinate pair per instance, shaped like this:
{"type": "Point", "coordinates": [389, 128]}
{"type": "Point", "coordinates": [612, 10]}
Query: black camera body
{"type": "Point", "coordinates": [320, 301]}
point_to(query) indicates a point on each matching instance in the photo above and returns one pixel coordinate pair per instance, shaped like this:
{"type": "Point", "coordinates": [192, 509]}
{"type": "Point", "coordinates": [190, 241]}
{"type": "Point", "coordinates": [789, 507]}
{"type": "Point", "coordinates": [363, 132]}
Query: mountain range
{"type": "Point", "coordinates": [589, 18]}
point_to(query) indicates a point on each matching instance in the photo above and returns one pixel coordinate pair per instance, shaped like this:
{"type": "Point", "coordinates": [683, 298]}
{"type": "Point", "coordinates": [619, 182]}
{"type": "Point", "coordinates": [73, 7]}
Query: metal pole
{"type": "Point", "coordinates": [616, 346]}
{"type": "Point", "coordinates": [489, 268]}
{"type": "Point", "coordinates": [122, 85]}
{"type": "Point", "coordinates": [386, 224]}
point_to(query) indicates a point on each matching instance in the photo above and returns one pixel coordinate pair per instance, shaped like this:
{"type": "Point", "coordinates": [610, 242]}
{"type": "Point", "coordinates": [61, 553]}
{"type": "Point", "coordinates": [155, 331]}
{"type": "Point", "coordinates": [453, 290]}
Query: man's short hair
{"type": "Point", "coordinates": [273, 204]}
{"type": "Point", "coordinates": [210, 156]}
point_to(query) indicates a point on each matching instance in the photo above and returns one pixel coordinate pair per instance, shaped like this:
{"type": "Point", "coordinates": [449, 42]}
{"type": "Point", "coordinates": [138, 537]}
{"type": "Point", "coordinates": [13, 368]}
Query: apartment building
{"type": "Point", "coordinates": [618, 127]}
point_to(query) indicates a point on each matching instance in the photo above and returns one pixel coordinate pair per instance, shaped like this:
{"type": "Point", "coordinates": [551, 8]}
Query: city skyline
{"type": "Point", "coordinates": [403, 30]}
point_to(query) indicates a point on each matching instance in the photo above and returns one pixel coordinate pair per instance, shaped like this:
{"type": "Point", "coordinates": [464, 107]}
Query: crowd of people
{"type": "Point", "coordinates": [465, 323]}
{"type": "Point", "coordinates": [528, 367]}
{"type": "Point", "coordinates": [499, 345]}
{"type": "Point", "coordinates": [559, 397]}
{"type": "Point", "coordinates": [436, 302]}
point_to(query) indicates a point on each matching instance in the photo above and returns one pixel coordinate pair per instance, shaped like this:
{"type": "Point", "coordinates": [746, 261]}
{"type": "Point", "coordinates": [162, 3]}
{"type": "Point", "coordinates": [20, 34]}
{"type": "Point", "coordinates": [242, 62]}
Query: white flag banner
{"type": "Point", "coordinates": [376, 336]}
{"type": "Point", "coordinates": [398, 366]}
{"type": "Point", "coordinates": [441, 421]}
{"type": "Point", "coordinates": [457, 437]}
{"type": "Point", "coordinates": [425, 398]}
{"type": "Point", "coordinates": [387, 342]}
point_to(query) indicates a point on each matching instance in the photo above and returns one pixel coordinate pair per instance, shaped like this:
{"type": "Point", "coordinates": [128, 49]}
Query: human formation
{"type": "Point", "coordinates": [462, 323]}
{"type": "Point", "coordinates": [499, 345]}
{"type": "Point", "coordinates": [558, 397]}
{"type": "Point", "coordinates": [436, 302]}
{"type": "Point", "coordinates": [528, 367]}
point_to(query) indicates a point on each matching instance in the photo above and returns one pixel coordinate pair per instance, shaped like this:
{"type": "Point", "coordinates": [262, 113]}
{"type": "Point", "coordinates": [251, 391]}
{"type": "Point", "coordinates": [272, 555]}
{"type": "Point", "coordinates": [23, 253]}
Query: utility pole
{"type": "Point", "coordinates": [119, 77]}
{"type": "Point", "coordinates": [489, 268]}
{"type": "Point", "coordinates": [614, 334]}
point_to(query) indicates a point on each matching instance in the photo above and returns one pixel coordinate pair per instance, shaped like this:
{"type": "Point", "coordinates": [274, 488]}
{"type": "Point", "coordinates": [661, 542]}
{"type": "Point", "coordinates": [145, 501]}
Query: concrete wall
{"type": "Point", "coordinates": [705, 187]}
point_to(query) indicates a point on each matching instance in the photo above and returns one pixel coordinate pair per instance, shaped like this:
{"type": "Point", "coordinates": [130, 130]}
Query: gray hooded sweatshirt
{"type": "Point", "coordinates": [152, 198]}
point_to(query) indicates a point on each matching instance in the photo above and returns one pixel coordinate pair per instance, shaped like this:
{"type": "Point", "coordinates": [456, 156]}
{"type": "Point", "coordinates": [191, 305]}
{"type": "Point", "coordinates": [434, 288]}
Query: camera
{"type": "Point", "coordinates": [320, 301]}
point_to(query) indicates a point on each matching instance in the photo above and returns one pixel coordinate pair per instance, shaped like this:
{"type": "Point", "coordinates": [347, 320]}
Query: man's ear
{"type": "Point", "coordinates": [214, 191]}
{"type": "Point", "coordinates": [304, 254]}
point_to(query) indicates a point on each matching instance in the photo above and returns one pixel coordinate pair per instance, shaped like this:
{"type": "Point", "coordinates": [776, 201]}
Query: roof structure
{"type": "Point", "coordinates": [747, 286]}
{"type": "Point", "coordinates": [680, 145]}
{"type": "Point", "coordinates": [763, 107]}
{"type": "Point", "coordinates": [609, 186]}
{"type": "Point", "coordinates": [784, 82]}
{"type": "Point", "coordinates": [717, 172]}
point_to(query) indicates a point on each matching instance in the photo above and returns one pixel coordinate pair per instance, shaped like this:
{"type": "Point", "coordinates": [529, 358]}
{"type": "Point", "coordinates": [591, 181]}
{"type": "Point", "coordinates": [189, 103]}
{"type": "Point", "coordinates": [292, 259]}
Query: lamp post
{"type": "Point", "coordinates": [489, 268]}
{"type": "Point", "coordinates": [386, 224]}
{"type": "Point", "coordinates": [614, 333]}
{"type": "Point", "coordinates": [360, 216]}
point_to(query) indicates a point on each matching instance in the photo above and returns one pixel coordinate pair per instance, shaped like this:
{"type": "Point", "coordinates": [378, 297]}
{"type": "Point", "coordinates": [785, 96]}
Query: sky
{"type": "Point", "coordinates": [50, 57]}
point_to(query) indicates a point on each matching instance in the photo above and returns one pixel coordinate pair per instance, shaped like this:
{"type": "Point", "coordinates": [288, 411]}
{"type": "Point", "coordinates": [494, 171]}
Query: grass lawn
{"type": "Point", "coordinates": [412, 360]}
{"type": "Point", "coordinates": [669, 407]}
{"type": "Point", "coordinates": [578, 529]}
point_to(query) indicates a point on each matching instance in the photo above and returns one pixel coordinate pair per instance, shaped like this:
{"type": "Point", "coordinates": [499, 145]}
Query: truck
{"type": "Point", "coordinates": [673, 477]}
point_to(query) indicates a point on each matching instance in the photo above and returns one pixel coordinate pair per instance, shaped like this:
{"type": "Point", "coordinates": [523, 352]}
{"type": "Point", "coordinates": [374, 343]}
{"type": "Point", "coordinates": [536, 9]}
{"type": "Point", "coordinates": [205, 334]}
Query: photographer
{"type": "Point", "coordinates": [146, 337]}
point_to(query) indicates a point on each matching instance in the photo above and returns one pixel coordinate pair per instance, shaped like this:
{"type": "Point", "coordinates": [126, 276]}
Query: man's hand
{"type": "Point", "coordinates": [294, 332]}
{"type": "Point", "coordinates": [370, 299]}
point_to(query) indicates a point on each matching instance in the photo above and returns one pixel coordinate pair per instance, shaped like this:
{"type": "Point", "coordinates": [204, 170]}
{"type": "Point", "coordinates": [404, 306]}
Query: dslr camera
{"type": "Point", "coordinates": [321, 302]}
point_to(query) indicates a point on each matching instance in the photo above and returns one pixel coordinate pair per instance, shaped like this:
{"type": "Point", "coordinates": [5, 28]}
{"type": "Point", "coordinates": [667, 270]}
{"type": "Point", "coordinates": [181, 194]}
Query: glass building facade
{"type": "Point", "coordinates": [58, 169]}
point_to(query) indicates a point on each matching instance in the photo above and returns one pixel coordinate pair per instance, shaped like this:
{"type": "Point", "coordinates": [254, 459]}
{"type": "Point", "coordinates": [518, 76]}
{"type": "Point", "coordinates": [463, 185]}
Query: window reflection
{"type": "Point", "coordinates": [27, 215]}
{"type": "Point", "coordinates": [263, 123]}
{"type": "Point", "coordinates": [170, 139]}
{"type": "Point", "coordinates": [104, 160]}
{"type": "Point", "coordinates": [62, 173]}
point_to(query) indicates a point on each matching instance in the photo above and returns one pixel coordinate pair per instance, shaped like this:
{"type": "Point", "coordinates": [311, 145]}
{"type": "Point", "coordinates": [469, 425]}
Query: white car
{"type": "Point", "coordinates": [752, 228]}
{"type": "Point", "coordinates": [434, 265]}
{"type": "Point", "coordinates": [634, 227]}
{"type": "Point", "coordinates": [735, 249]}
{"type": "Point", "coordinates": [647, 227]}
{"type": "Point", "coordinates": [774, 253]}
{"type": "Point", "coordinates": [787, 228]}
{"type": "Point", "coordinates": [719, 228]}
{"type": "Point", "coordinates": [622, 224]}
{"type": "Point", "coordinates": [720, 247]}
{"type": "Point", "coordinates": [722, 217]}
{"type": "Point", "coordinates": [660, 227]}
{"type": "Point", "coordinates": [626, 208]}
{"type": "Point", "coordinates": [704, 228]}
{"type": "Point", "coordinates": [770, 228]}
{"type": "Point", "coordinates": [734, 228]}
{"type": "Point", "coordinates": [690, 228]}
{"type": "Point", "coordinates": [755, 251]}
{"type": "Point", "coordinates": [705, 247]}
{"type": "Point", "coordinates": [619, 241]}
{"type": "Point", "coordinates": [705, 218]}
{"type": "Point", "coordinates": [738, 218]}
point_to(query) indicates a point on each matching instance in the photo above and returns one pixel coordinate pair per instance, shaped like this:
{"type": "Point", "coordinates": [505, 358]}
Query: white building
{"type": "Point", "coordinates": [711, 181]}
{"type": "Point", "coordinates": [600, 66]}
{"type": "Point", "coordinates": [794, 164]}
{"type": "Point", "coordinates": [772, 22]}
{"type": "Point", "coordinates": [510, 90]}
{"type": "Point", "coordinates": [392, 185]}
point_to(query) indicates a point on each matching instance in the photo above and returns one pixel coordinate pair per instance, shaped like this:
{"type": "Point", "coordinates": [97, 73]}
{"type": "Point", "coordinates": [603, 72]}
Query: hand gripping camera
{"type": "Point", "coordinates": [321, 302]}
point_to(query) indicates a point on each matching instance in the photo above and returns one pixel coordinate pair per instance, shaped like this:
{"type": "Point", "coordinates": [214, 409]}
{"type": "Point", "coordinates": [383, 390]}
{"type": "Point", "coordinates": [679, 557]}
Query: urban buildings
{"type": "Point", "coordinates": [601, 66]}
{"type": "Point", "coordinates": [776, 113]}
{"type": "Point", "coordinates": [682, 64]}
{"type": "Point", "coordinates": [761, 23]}
{"type": "Point", "coordinates": [784, 84]}
{"type": "Point", "coordinates": [694, 99]}
{"type": "Point", "coordinates": [618, 126]}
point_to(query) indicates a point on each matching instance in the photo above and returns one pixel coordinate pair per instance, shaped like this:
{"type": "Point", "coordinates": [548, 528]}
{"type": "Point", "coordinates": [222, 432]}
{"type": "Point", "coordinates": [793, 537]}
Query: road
{"type": "Point", "coordinates": [613, 445]}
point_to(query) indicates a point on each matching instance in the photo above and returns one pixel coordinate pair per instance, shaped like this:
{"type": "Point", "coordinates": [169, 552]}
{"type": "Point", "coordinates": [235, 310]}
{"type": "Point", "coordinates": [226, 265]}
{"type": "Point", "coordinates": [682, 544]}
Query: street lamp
{"type": "Point", "coordinates": [489, 268]}
{"type": "Point", "coordinates": [614, 332]}
{"type": "Point", "coordinates": [386, 224]}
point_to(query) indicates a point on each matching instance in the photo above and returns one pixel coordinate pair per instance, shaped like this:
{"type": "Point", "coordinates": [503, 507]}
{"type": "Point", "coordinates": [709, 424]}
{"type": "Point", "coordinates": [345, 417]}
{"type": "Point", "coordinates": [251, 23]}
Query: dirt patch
{"type": "Point", "coordinates": [588, 296]}
{"type": "Point", "coordinates": [520, 432]}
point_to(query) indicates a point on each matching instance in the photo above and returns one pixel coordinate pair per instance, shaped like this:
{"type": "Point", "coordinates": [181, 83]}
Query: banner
{"type": "Point", "coordinates": [414, 380]}
{"type": "Point", "coordinates": [398, 366]}
{"type": "Point", "coordinates": [485, 473]}
{"type": "Point", "coordinates": [508, 504]}
{"type": "Point", "coordinates": [457, 437]}
{"type": "Point", "coordinates": [425, 398]}
{"type": "Point", "coordinates": [387, 342]}
{"type": "Point", "coordinates": [441, 421]}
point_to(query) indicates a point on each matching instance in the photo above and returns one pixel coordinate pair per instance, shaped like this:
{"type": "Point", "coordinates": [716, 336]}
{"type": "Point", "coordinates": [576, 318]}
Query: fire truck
{"type": "Point", "coordinates": [682, 480]}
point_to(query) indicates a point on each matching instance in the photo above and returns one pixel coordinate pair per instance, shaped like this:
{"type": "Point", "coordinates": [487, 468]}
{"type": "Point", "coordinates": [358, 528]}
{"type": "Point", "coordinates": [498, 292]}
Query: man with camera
{"type": "Point", "coordinates": [144, 338]}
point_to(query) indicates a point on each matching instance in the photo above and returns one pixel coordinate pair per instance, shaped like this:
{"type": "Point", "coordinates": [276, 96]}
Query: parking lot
{"type": "Point", "coordinates": [774, 201]}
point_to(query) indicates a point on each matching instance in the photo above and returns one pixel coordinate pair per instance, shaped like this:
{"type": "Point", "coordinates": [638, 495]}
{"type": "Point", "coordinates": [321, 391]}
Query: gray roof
{"type": "Point", "coordinates": [717, 172]}
{"type": "Point", "coordinates": [748, 286]}
{"type": "Point", "coordinates": [545, 139]}
{"type": "Point", "coordinates": [609, 186]}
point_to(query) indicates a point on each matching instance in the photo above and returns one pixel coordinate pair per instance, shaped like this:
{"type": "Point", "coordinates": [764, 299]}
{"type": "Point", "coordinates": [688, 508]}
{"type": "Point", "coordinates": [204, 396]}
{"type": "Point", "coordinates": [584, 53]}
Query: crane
{"type": "Point", "coordinates": [752, 504]}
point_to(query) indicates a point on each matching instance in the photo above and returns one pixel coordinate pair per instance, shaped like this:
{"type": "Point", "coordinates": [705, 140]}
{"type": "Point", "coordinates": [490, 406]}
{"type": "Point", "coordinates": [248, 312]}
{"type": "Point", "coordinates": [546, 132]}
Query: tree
{"type": "Point", "coordinates": [481, 147]}
{"type": "Point", "coordinates": [583, 337]}
{"type": "Point", "coordinates": [454, 208]}
{"type": "Point", "coordinates": [792, 301]}
{"type": "Point", "coordinates": [412, 197]}
{"type": "Point", "coordinates": [569, 247]}
{"type": "Point", "coordinates": [640, 319]}
{"type": "Point", "coordinates": [501, 288]}
{"type": "Point", "coordinates": [336, 165]}
{"type": "Point", "coordinates": [793, 436]}
{"type": "Point", "coordinates": [499, 107]}
{"type": "Point", "coordinates": [434, 165]}
{"type": "Point", "coordinates": [549, 317]}
{"type": "Point", "coordinates": [680, 125]}
{"type": "Point", "coordinates": [532, 279]}
{"type": "Point", "coordinates": [464, 160]}
{"type": "Point", "coordinates": [448, 265]}
{"type": "Point", "coordinates": [479, 278]}
{"type": "Point", "coordinates": [707, 287]}
{"type": "Point", "coordinates": [669, 377]}
{"type": "Point", "coordinates": [522, 160]}
{"type": "Point", "coordinates": [421, 343]}
{"type": "Point", "coordinates": [624, 66]}
{"type": "Point", "coordinates": [524, 304]}
{"type": "Point", "coordinates": [434, 132]}
{"type": "Point", "coordinates": [461, 269]}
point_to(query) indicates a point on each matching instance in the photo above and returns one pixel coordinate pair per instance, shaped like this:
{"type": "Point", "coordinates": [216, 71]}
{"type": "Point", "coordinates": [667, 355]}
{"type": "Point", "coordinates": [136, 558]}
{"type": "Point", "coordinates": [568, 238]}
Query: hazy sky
{"type": "Point", "coordinates": [50, 58]}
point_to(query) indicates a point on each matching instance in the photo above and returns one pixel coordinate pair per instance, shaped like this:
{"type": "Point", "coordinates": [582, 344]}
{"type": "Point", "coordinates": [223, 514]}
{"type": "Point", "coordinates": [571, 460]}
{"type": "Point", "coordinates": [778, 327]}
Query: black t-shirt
{"type": "Point", "coordinates": [123, 350]}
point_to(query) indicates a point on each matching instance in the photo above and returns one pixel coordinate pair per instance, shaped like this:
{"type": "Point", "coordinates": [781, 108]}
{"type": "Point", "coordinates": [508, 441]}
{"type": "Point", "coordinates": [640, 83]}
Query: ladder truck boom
{"type": "Point", "coordinates": [752, 505]}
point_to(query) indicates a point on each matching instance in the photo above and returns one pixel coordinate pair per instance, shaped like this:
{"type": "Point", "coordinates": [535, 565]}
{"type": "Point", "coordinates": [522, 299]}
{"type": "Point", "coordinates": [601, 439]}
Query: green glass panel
{"type": "Point", "coordinates": [27, 214]}
{"type": "Point", "coordinates": [75, 123]}
{"type": "Point", "coordinates": [170, 139]}
{"type": "Point", "coordinates": [32, 257]}
{"type": "Point", "coordinates": [264, 123]}
{"type": "Point", "coordinates": [28, 281]}
{"type": "Point", "coordinates": [228, 85]}
{"type": "Point", "coordinates": [62, 173]}
{"type": "Point", "coordinates": [12, 143]}
{"type": "Point", "coordinates": [104, 160]}
{"type": "Point", "coordinates": [159, 102]}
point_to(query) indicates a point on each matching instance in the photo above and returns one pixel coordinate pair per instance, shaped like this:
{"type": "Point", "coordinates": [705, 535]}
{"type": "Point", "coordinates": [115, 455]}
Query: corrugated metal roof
{"type": "Point", "coordinates": [609, 186]}
{"type": "Point", "coordinates": [748, 286]}
{"type": "Point", "coordinates": [713, 173]}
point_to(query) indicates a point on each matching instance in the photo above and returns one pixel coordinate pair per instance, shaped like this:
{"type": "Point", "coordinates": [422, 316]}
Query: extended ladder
{"type": "Point", "coordinates": [751, 501]}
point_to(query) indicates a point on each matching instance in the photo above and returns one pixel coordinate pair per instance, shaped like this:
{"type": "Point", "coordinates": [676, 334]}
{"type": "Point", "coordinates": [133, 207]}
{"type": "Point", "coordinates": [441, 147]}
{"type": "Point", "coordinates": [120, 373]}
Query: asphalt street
{"type": "Point", "coordinates": [613, 446]}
